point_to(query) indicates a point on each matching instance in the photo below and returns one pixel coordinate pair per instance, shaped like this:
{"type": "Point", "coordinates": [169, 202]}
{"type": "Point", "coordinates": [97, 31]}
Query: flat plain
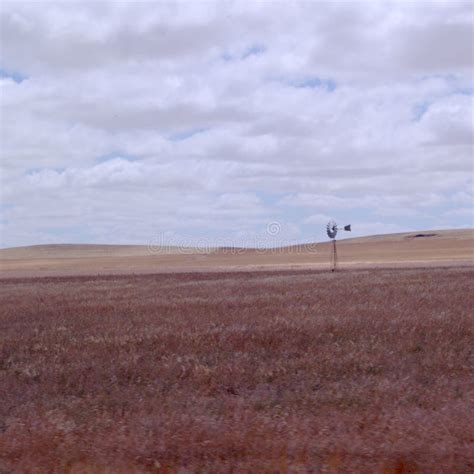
{"type": "Point", "coordinates": [362, 370]}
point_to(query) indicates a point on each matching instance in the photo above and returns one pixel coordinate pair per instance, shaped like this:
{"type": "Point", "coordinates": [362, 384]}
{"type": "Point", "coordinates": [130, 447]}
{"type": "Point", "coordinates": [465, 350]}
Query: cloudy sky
{"type": "Point", "coordinates": [234, 122]}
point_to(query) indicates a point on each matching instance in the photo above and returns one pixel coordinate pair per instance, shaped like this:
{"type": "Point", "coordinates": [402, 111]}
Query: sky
{"type": "Point", "coordinates": [235, 122]}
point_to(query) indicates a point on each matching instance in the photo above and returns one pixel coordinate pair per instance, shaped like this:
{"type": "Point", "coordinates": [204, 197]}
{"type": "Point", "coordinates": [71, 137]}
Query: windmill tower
{"type": "Point", "coordinates": [331, 230]}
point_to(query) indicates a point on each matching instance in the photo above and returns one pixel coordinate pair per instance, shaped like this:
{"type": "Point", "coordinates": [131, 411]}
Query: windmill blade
{"type": "Point", "coordinates": [331, 229]}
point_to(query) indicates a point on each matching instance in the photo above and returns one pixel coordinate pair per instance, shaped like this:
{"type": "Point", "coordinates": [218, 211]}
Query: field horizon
{"type": "Point", "coordinates": [424, 247]}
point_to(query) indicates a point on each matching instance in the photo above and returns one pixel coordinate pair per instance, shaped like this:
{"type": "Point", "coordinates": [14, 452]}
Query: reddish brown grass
{"type": "Point", "coordinates": [363, 371]}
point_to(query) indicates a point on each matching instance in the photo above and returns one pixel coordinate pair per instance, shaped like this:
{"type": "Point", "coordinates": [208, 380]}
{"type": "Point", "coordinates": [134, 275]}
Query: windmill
{"type": "Point", "coordinates": [331, 230]}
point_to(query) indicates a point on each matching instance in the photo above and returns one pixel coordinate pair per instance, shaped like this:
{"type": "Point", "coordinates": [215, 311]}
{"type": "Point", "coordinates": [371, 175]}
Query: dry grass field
{"type": "Point", "coordinates": [438, 247]}
{"type": "Point", "coordinates": [359, 371]}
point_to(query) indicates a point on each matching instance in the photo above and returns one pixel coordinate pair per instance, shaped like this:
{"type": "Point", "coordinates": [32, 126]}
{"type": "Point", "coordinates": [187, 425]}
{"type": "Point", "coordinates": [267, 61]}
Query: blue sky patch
{"type": "Point", "coordinates": [465, 91]}
{"type": "Point", "coordinates": [185, 134]}
{"type": "Point", "coordinates": [114, 155]}
{"type": "Point", "coordinates": [16, 76]}
{"type": "Point", "coordinates": [316, 83]}
{"type": "Point", "coordinates": [33, 171]}
{"type": "Point", "coordinates": [252, 50]}
{"type": "Point", "coordinates": [268, 198]}
{"type": "Point", "coordinates": [313, 83]}
{"type": "Point", "coordinates": [419, 110]}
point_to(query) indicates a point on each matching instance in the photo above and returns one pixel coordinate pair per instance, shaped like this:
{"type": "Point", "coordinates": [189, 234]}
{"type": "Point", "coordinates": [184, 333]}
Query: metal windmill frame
{"type": "Point", "coordinates": [331, 230]}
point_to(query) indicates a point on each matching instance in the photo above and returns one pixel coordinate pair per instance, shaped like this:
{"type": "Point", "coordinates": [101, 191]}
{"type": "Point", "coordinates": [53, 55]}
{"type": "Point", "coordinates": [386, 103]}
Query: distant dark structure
{"type": "Point", "coordinates": [331, 230]}
{"type": "Point", "coordinates": [424, 235]}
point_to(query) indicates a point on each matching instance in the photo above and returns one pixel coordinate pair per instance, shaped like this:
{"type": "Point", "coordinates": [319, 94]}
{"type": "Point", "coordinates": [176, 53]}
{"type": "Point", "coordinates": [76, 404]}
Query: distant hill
{"type": "Point", "coordinates": [433, 247]}
{"type": "Point", "coordinates": [84, 251]}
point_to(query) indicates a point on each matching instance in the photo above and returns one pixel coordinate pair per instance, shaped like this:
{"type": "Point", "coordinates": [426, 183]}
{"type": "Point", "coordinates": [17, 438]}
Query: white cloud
{"type": "Point", "coordinates": [219, 118]}
{"type": "Point", "coordinates": [319, 219]}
